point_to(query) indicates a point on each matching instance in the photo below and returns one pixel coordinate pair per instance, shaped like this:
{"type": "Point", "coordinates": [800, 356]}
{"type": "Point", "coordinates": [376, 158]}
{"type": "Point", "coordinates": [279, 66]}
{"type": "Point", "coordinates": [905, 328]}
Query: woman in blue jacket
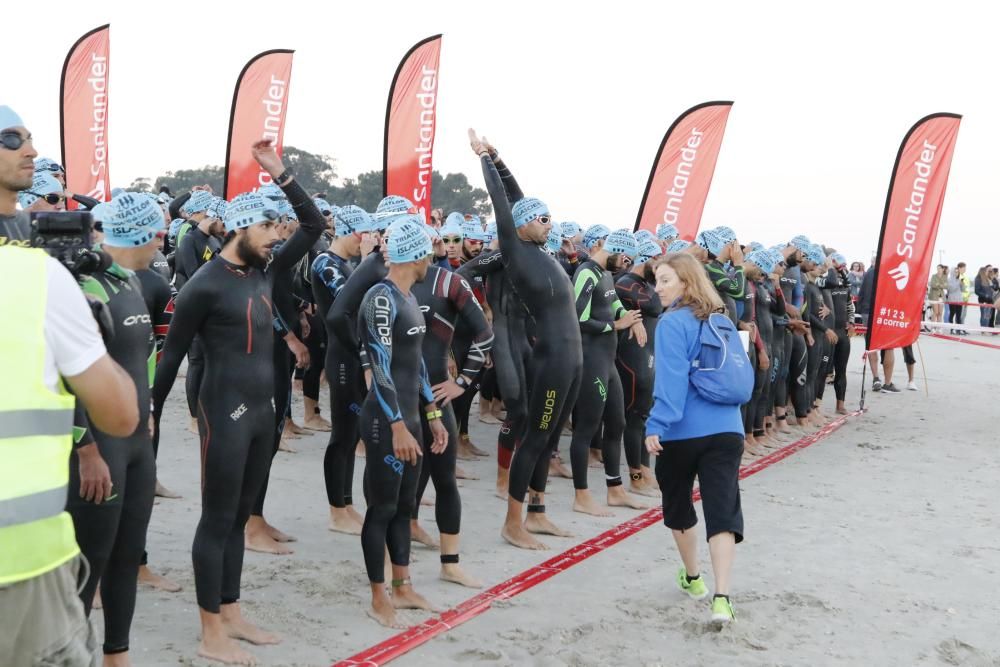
{"type": "Point", "coordinates": [693, 436]}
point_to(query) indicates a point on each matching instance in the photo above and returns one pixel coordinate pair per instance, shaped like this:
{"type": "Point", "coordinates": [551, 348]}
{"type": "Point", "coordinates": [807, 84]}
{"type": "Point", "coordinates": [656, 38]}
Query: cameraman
{"type": "Point", "coordinates": [50, 333]}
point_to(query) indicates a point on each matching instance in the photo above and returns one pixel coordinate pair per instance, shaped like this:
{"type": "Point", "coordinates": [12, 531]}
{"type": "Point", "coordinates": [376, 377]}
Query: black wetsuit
{"type": "Point", "coordinates": [194, 250]}
{"type": "Point", "coordinates": [729, 283]}
{"type": "Point", "coordinates": [15, 229]}
{"type": "Point", "coordinates": [160, 266]}
{"type": "Point", "coordinates": [229, 308]}
{"type": "Point", "coordinates": [112, 535]}
{"type": "Point", "coordinates": [557, 359]}
{"type": "Point", "coordinates": [635, 364]}
{"type": "Point", "coordinates": [347, 381]}
{"type": "Point", "coordinates": [765, 304]}
{"type": "Point", "coordinates": [392, 329]}
{"type": "Point", "coordinates": [779, 364]}
{"type": "Point", "coordinates": [445, 299]}
{"type": "Point", "coordinates": [819, 350]}
{"type": "Point", "coordinates": [843, 316]}
{"type": "Point", "coordinates": [796, 354]}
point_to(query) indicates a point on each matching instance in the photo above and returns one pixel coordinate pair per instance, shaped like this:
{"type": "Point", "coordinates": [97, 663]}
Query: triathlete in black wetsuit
{"type": "Point", "coordinates": [446, 298]}
{"type": "Point", "coordinates": [843, 315]}
{"type": "Point", "coordinates": [331, 271]}
{"type": "Point", "coordinates": [547, 294]}
{"type": "Point", "coordinates": [392, 329]}
{"type": "Point", "coordinates": [228, 304]}
{"type": "Point", "coordinates": [194, 249]}
{"type": "Point", "coordinates": [111, 530]}
{"type": "Point", "coordinates": [796, 350]}
{"type": "Point", "coordinates": [600, 315]}
{"type": "Point", "coordinates": [635, 368]}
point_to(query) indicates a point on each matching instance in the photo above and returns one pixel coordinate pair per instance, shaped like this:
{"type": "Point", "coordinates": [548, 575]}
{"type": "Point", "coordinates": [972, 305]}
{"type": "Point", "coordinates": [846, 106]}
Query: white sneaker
{"type": "Point", "coordinates": [912, 386]}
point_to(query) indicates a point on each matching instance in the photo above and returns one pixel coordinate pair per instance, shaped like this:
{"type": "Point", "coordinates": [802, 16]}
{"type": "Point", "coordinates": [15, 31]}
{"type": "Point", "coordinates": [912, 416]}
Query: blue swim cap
{"type": "Point", "coordinates": [569, 229]}
{"type": "Point", "coordinates": [754, 245]}
{"type": "Point", "coordinates": [42, 183]}
{"type": "Point", "coordinates": [800, 242]}
{"type": "Point", "coordinates": [432, 232]}
{"type": "Point", "coordinates": [48, 164]}
{"type": "Point", "coordinates": [666, 231]}
{"type": "Point", "coordinates": [622, 242]}
{"type": "Point", "coordinates": [554, 241]}
{"type": "Point", "coordinates": [136, 220]}
{"type": "Point", "coordinates": [271, 191]}
{"type": "Point", "coordinates": [389, 209]}
{"type": "Point", "coordinates": [491, 230]}
{"type": "Point", "coordinates": [711, 241]}
{"type": "Point", "coordinates": [473, 230]}
{"type": "Point", "coordinates": [198, 203]}
{"type": "Point", "coordinates": [647, 251]}
{"type": "Point", "coordinates": [9, 118]}
{"type": "Point", "coordinates": [838, 259]}
{"type": "Point", "coordinates": [175, 226]}
{"type": "Point", "coordinates": [350, 219]}
{"type": "Point", "coordinates": [102, 213]}
{"type": "Point", "coordinates": [527, 209]}
{"type": "Point", "coordinates": [117, 192]}
{"type": "Point", "coordinates": [452, 228]}
{"type": "Point", "coordinates": [816, 254]}
{"type": "Point", "coordinates": [763, 259]}
{"type": "Point", "coordinates": [678, 245]}
{"type": "Point", "coordinates": [643, 235]}
{"type": "Point", "coordinates": [594, 234]}
{"type": "Point", "coordinates": [217, 209]}
{"type": "Point", "coordinates": [726, 233]}
{"type": "Point", "coordinates": [323, 206]}
{"type": "Point", "coordinates": [249, 208]}
{"type": "Point", "coordinates": [455, 219]}
{"type": "Point", "coordinates": [406, 240]}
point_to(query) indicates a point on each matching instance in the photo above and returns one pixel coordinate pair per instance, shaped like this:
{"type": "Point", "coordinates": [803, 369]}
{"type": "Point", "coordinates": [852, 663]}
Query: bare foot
{"type": "Point", "coordinates": [283, 445]}
{"type": "Point", "coordinates": [618, 498]}
{"type": "Point", "coordinates": [488, 418]}
{"type": "Point", "coordinates": [464, 450]}
{"type": "Point", "coordinates": [585, 504]}
{"type": "Point", "coordinates": [290, 425]}
{"type": "Point", "coordinates": [421, 536]}
{"type": "Point", "coordinates": [297, 386]}
{"type": "Point", "coordinates": [317, 423]}
{"type": "Point", "coordinates": [455, 574]}
{"type": "Point", "coordinates": [157, 581]}
{"type": "Point", "coordinates": [644, 488]}
{"type": "Point", "coordinates": [97, 603]}
{"type": "Point", "coordinates": [461, 474]}
{"type": "Point", "coordinates": [385, 614]}
{"type": "Point", "coordinates": [595, 460]}
{"type": "Point", "coordinates": [359, 449]}
{"type": "Point", "coordinates": [193, 426]}
{"type": "Point", "coordinates": [240, 628]}
{"type": "Point", "coordinates": [539, 524]}
{"type": "Point", "coordinates": [226, 651]}
{"type": "Point", "coordinates": [259, 540]}
{"type": "Point", "coordinates": [475, 450]}
{"type": "Point", "coordinates": [404, 597]}
{"type": "Point", "coordinates": [558, 469]}
{"type": "Point", "coordinates": [277, 535]}
{"type": "Point", "coordinates": [164, 492]}
{"type": "Point", "coordinates": [519, 537]}
{"type": "Point", "coordinates": [342, 522]}
{"type": "Point", "coordinates": [353, 513]}
{"type": "Point", "coordinates": [842, 411]}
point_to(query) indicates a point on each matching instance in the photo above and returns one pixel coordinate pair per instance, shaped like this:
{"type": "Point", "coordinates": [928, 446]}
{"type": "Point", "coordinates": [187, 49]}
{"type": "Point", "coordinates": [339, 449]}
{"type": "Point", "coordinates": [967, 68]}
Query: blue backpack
{"type": "Point", "coordinates": [721, 372]}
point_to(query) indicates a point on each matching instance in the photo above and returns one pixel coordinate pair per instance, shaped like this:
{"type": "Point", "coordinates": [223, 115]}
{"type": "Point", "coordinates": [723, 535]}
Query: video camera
{"type": "Point", "coordinates": [68, 237]}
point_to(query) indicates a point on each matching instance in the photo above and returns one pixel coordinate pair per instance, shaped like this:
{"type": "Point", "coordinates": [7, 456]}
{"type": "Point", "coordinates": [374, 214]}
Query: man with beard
{"type": "Point", "coordinates": [601, 315]}
{"type": "Point", "coordinates": [228, 304]}
{"type": "Point", "coordinates": [16, 173]}
{"type": "Point", "coordinates": [392, 329]}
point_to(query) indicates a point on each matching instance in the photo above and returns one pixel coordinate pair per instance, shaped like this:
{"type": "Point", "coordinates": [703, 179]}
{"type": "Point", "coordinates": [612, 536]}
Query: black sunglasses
{"type": "Point", "coordinates": [51, 198]}
{"type": "Point", "coordinates": [56, 168]}
{"type": "Point", "coordinates": [12, 140]}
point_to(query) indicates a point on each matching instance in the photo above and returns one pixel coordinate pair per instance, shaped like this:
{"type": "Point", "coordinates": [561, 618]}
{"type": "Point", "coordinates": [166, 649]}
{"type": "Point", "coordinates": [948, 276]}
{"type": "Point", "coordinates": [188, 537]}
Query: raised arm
{"type": "Point", "coordinates": [311, 226]}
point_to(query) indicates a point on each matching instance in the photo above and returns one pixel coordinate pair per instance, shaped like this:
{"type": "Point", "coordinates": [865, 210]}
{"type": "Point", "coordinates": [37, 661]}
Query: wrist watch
{"type": "Point", "coordinates": [462, 382]}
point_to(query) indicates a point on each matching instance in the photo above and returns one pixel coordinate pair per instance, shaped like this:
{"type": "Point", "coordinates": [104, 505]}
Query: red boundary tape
{"type": "Point", "coordinates": [406, 641]}
{"type": "Point", "coordinates": [964, 340]}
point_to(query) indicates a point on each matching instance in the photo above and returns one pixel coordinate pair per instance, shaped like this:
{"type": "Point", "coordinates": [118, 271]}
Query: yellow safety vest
{"type": "Point", "coordinates": [36, 533]}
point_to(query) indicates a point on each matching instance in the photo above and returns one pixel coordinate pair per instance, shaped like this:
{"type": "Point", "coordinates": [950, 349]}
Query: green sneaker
{"type": "Point", "coordinates": [695, 588]}
{"type": "Point", "coordinates": [722, 611]}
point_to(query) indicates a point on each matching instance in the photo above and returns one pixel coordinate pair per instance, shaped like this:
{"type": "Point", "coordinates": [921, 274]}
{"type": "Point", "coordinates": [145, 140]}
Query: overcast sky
{"type": "Point", "coordinates": [577, 100]}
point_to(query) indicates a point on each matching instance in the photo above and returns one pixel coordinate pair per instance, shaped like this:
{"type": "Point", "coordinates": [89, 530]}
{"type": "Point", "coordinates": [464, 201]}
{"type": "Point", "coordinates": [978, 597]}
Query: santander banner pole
{"type": "Point", "coordinates": [83, 115]}
{"type": "Point", "coordinates": [260, 103]}
{"type": "Point", "coordinates": [682, 172]}
{"type": "Point", "coordinates": [909, 230]}
{"type": "Point", "coordinates": [410, 124]}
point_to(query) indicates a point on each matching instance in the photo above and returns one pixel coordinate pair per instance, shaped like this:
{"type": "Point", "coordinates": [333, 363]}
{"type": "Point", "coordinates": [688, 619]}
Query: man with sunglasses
{"type": "Point", "coordinates": [228, 305]}
{"type": "Point", "coordinates": [56, 170]}
{"type": "Point", "coordinates": [546, 293]}
{"type": "Point", "coordinates": [112, 479]}
{"type": "Point", "coordinates": [600, 315]}
{"type": "Point", "coordinates": [452, 237]}
{"type": "Point", "coordinates": [44, 195]}
{"type": "Point", "coordinates": [17, 170]}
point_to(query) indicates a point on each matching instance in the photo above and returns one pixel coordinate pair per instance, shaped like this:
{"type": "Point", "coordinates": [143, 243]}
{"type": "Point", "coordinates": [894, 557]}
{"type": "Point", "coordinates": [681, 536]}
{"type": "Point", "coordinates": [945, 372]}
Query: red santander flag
{"type": "Point", "coordinates": [909, 230]}
{"type": "Point", "coordinates": [410, 124]}
{"type": "Point", "coordinates": [260, 104]}
{"type": "Point", "coordinates": [83, 115]}
{"type": "Point", "coordinates": [682, 172]}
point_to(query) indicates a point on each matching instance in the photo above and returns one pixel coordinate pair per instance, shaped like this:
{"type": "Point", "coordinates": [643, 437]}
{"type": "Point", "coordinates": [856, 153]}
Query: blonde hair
{"type": "Point", "coordinates": [699, 293]}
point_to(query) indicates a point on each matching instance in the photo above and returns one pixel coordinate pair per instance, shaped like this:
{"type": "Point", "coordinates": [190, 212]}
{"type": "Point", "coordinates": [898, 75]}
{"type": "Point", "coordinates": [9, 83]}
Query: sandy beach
{"type": "Point", "coordinates": [878, 545]}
